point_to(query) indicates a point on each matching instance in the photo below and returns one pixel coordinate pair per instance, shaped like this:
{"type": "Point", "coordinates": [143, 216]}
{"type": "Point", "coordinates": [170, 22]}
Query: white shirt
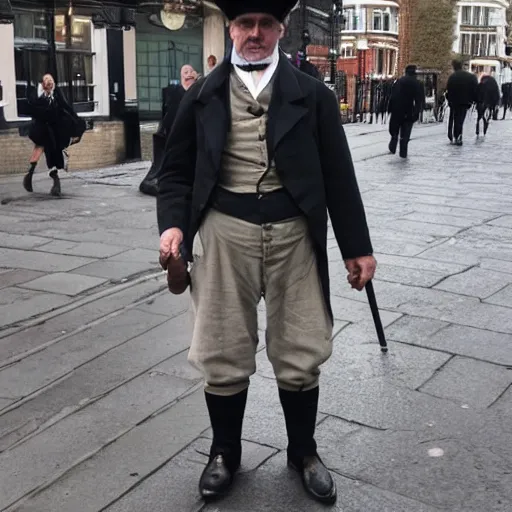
{"type": "Point", "coordinates": [506, 76]}
{"type": "Point", "coordinates": [252, 79]}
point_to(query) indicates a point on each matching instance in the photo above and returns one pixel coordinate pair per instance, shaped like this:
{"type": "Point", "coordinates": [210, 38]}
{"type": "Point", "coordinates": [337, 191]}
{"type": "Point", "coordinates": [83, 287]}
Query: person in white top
{"type": "Point", "coordinates": [506, 88]}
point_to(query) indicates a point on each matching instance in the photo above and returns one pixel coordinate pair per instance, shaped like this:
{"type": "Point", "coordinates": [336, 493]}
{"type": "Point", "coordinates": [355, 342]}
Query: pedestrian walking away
{"type": "Point", "coordinates": [488, 101]}
{"type": "Point", "coordinates": [506, 88]}
{"type": "Point", "coordinates": [172, 96]}
{"type": "Point", "coordinates": [406, 103]}
{"type": "Point", "coordinates": [462, 93]}
{"type": "Point", "coordinates": [55, 126]}
{"type": "Point", "coordinates": [256, 159]}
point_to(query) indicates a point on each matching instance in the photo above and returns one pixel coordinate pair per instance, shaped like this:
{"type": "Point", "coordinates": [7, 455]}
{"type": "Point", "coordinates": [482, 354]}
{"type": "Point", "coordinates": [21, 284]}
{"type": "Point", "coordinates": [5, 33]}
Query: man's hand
{"type": "Point", "coordinates": [170, 245]}
{"type": "Point", "coordinates": [360, 271]}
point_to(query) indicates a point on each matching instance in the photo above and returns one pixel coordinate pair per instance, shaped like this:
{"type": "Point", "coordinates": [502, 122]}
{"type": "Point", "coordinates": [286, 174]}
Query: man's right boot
{"type": "Point", "coordinates": [27, 180]}
{"type": "Point", "coordinates": [226, 416]}
{"type": "Point", "coordinates": [393, 145]}
{"type": "Point", "coordinates": [55, 191]}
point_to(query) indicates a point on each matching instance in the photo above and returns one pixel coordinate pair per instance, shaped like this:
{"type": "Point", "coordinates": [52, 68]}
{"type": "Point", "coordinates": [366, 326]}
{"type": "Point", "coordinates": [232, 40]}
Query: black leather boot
{"type": "Point", "coordinates": [55, 191]}
{"type": "Point", "coordinates": [226, 416]}
{"type": "Point", "coordinates": [393, 145]}
{"type": "Point", "coordinates": [27, 180]}
{"type": "Point", "coordinates": [404, 148]}
{"type": "Point", "coordinates": [300, 410]}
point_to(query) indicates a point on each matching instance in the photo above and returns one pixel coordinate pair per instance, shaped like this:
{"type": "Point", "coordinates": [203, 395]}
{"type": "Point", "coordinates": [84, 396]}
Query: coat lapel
{"type": "Point", "coordinates": [214, 114]}
{"type": "Point", "coordinates": [287, 106]}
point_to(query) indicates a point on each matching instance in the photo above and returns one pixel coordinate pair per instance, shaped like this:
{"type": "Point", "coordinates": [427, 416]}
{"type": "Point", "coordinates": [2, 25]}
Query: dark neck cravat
{"type": "Point", "coordinates": [252, 67]}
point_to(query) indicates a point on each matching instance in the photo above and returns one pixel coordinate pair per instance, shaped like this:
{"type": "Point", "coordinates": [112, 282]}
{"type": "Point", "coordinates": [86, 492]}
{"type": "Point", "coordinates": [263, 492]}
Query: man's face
{"type": "Point", "coordinates": [255, 35]}
{"type": "Point", "coordinates": [188, 76]}
{"type": "Point", "coordinates": [48, 83]}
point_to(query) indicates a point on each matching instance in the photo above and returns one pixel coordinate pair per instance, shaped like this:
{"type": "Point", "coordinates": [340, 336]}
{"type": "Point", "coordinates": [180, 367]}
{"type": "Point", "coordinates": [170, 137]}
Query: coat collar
{"type": "Point", "coordinates": [286, 83]}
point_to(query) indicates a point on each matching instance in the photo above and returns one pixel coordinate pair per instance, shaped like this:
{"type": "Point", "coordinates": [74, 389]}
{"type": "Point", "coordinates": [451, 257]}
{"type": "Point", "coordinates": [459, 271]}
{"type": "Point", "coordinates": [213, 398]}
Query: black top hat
{"type": "Point", "coordinates": [279, 9]}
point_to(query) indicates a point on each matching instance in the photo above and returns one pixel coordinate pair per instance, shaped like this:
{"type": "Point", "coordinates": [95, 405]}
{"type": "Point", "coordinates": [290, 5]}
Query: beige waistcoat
{"type": "Point", "coordinates": [245, 156]}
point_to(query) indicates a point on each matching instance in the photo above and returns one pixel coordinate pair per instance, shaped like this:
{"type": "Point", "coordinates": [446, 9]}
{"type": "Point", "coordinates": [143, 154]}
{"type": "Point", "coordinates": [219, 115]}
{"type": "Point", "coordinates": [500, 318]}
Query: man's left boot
{"type": "Point", "coordinates": [300, 410]}
{"type": "Point", "coordinates": [55, 191]}
{"type": "Point", "coordinates": [393, 145]}
{"type": "Point", "coordinates": [403, 148]}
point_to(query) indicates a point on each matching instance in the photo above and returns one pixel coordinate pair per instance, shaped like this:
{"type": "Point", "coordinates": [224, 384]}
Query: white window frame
{"type": "Point", "coordinates": [100, 83]}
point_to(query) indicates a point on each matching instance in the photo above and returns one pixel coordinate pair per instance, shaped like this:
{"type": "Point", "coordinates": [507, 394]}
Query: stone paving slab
{"type": "Point", "coordinates": [34, 303]}
{"type": "Point", "coordinates": [474, 383]}
{"type": "Point", "coordinates": [15, 241]}
{"type": "Point", "coordinates": [44, 457]}
{"type": "Point", "coordinates": [87, 249]}
{"type": "Point", "coordinates": [476, 282]}
{"type": "Point", "coordinates": [490, 346]}
{"type": "Point", "coordinates": [462, 476]}
{"type": "Point", "coordinates": [442, 219]}
{"type": "Point", "coordinates": [114, 271]}
{"type": "Point", "coordinates": [175, 485]}
{"type": "Point", "coordinates": [43, 368]}
{"type": "Point", "coordinates": [32, 260]}
{"type": "Point", "coordinates": [505, 221]}
{"type": "Point", "coordinates": [14, 344]}
{"type": "Point", "coordinates": [502, 298]}
{"type": "Point", "coordinates": [497, 265]}
{"type": "Point", "coordinates": [155, 350]}
{"type": "Point", "coordinates": [382, 405]}
{"type": "Point", "coordinates": [100, 480]}
{"type": "Point", "coordinates": [64, 283]}
{"type": "Point", "coordinates": [13, 277]}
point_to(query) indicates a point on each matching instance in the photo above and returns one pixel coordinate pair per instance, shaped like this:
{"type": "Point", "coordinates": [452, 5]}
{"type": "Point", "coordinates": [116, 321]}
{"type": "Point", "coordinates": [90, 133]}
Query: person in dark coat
{"type": "Point", "coordinates": [256, 159]}
{"type": "Point", "coordinates": [54, 127]}
{"type": "Point", "coordinates": [172, 96]}
{"type": "Point", "coordinates": [488, 101]}
{"type": "Point", "coordinates": [406, 103]}
{"type": "Point", "coordinates": [461, 93]}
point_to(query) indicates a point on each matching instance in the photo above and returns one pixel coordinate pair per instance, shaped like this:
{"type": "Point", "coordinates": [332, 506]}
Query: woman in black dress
{"type": "Point", "coordinates": [54, 127]}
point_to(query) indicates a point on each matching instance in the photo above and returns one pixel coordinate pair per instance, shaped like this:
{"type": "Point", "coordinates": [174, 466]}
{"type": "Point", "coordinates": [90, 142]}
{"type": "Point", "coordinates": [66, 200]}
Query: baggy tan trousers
{"type": "Point", "coordinates": [236, 263]}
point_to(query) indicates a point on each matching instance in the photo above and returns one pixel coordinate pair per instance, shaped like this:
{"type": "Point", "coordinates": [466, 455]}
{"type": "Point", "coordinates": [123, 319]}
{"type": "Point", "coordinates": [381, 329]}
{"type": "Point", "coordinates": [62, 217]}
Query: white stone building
{"type": "Point", "coordinates": [481, 35]}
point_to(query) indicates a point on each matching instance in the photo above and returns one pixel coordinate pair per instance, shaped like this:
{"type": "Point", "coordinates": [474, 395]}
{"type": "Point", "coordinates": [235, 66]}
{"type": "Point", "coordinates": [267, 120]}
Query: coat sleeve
{"type": "Point", "coordinates": [343, 198]}
{"type": "Point", "coordinates": [177, 173]}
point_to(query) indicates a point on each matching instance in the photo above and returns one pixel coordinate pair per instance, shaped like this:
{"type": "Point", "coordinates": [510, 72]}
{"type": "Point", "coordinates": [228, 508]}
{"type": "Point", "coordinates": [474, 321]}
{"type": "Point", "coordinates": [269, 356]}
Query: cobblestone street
{"type": "Point", "coordinates": [99, 410]}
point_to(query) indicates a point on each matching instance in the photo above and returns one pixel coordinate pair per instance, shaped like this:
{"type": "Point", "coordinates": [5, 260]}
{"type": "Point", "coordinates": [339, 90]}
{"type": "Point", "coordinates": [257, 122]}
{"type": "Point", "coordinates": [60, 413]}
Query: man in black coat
{"type": "Point", "coordinates": [171, 99]}
{"type": "Point", "coordinates": [461, 93]}
{"type": "Point", "coordinates": [407, 101]}
{"type": "Point", "coordinates": [256, 158]}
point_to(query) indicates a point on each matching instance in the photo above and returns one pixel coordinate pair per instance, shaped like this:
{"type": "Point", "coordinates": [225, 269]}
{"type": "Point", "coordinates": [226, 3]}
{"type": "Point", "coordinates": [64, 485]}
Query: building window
{"type": "Point", "coordinates": [478, 44]}
{"type": "Point", "coordinates": [353, 19]}
{"type": "Point", "coordinates": [466, 15]}
{"type": "Point", "coordinates": [477, 14]}
{"type": "Point", "coordinates": [347, 51]}
{"type": "Point", "coordinates": [465, 44]}
{"type": "Point", "coordinates": [385, 20]}
{"type": "Point", "coordinates": [69, 48]}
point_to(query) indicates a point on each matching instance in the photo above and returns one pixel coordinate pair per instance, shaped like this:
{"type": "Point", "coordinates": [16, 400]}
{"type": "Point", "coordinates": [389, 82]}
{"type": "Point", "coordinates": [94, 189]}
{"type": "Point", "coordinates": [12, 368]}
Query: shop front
{"type": "Point", "coordinates": [111, 60]}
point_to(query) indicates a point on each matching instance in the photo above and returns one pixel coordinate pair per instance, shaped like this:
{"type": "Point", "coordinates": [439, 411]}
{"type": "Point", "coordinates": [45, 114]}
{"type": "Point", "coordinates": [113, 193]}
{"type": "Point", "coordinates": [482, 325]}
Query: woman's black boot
{"type": "Point", "coordinates": [55, 191]}
{"type": "Point", "coordinates": [27, 180]}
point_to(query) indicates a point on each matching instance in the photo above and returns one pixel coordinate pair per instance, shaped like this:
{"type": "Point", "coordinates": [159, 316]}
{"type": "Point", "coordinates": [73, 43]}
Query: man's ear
{"type": "Point", "coordinates": [282, 30]}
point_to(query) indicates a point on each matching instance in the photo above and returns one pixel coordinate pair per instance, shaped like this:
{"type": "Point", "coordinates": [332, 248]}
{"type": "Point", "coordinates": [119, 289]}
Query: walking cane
{"type": "Point", "coordinates": [370, 292]}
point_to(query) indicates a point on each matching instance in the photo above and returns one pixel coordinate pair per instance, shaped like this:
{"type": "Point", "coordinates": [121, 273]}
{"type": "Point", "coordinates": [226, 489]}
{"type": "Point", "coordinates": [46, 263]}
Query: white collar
{"type": "Point", "coordinates": [249, 78]}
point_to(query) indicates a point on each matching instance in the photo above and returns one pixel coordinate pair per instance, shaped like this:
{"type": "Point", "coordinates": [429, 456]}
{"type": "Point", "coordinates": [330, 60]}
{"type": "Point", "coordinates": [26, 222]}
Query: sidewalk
{"type": "Point", "coordinates": [99, 410]}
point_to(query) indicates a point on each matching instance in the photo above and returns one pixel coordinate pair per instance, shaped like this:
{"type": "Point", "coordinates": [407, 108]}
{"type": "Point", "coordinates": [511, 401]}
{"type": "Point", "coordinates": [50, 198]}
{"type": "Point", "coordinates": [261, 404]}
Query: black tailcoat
{"type": "Point", "coordinates": [306, 139]}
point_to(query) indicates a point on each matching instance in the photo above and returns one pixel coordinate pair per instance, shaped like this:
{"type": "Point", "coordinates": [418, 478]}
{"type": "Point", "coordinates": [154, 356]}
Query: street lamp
{"type": "Point", "coordinates": [336, 22]}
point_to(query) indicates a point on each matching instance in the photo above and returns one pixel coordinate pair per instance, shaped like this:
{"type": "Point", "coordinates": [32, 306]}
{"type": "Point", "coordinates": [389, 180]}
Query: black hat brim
{"type": "Point", "coordinates": [279, 9]}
